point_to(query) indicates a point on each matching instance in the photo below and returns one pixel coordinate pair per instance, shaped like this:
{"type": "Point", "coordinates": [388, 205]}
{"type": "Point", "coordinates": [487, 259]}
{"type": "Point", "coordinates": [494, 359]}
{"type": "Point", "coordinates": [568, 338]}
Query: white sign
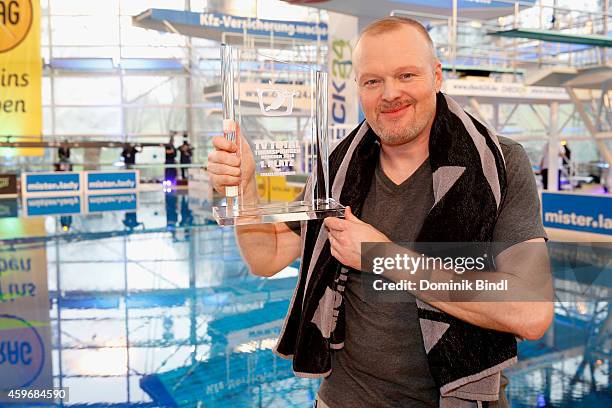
{"type": "Point", "coordinates": [460, 87]}
{"type": "Point", "coordinates": [343, 98]}
{"type": "Point", "coordinates": [281, 105]}
{"type": "Point", "coordinates": [276, 158]}
{"type": "Point", "coordinates": [279, 100]}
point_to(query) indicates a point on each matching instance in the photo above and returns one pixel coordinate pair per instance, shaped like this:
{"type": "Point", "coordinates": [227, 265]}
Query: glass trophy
{"type": "Point", "coordinates": [281, 110]}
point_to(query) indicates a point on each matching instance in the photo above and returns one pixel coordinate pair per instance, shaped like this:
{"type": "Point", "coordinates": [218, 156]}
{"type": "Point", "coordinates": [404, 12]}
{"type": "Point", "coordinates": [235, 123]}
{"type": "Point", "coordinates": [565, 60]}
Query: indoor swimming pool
{"type": "Point", "coordinates": [154, 307]}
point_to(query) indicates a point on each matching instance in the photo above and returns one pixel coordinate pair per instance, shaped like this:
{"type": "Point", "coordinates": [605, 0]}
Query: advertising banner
{"type": "Point", "coordinates": [20, 75]}
{"type": "Point", "coordinates": [112, 202]}
{"type": "Point", "coordinates": [578, 212]}
{"type": "Point", "coordinates": [211, 25]}
{"type": "Point", "coordinates": [51, 183]}
{"type": "Point", "coordinates": [343, 98]}
{"type": "Point", "coordinates": [462, 87]}
{"type": "Point", "coordinates": [8, 185]}
{"type": "Point", "coordinates": [25, 330]}
{"type": "Point", "coordinates": [8, 208]}
{"type": "Point", "coordinates": [49, 205]}
{"type": "Point", "coordinates": [105, 181]}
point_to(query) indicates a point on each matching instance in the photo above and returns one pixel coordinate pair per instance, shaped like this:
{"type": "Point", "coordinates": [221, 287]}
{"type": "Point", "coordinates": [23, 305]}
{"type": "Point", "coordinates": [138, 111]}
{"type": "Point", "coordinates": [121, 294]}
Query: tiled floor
{"type": "Point", "coordinates": [156, 308]}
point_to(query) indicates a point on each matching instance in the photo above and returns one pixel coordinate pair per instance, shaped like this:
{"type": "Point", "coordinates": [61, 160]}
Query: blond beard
{"type": "Point", "coordinates": [398, 136]}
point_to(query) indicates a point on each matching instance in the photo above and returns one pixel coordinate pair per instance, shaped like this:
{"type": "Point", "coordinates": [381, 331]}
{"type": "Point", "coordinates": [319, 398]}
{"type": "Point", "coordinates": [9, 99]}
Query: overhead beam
{"type": "Point", "coordinates": [74, 145]}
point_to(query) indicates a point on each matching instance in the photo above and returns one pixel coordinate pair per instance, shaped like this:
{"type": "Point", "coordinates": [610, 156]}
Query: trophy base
{"type": "Point", "coordinates": [277, 212]}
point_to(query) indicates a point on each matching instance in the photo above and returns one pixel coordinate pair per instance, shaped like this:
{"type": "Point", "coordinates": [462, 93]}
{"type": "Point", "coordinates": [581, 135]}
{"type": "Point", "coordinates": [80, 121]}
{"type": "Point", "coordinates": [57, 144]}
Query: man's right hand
{"type": "Point", "coordinates": [266, 248]}
{"type": "Point", "coordinates": [230, 166]}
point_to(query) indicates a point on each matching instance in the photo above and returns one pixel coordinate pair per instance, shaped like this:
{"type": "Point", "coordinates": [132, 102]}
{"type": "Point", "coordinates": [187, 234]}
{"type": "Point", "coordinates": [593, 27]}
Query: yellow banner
{"type": "Point", "coordinates": [25, 323]}
{"type": "Point", "coordinates": [20, 75]}
{"type": "Point", "coordinates": [276, 189]}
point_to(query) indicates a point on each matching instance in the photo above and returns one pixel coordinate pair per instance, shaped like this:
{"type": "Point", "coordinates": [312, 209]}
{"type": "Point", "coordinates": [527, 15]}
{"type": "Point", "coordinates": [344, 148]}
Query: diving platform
{"type": "Point", "coordinates": [595, 40]}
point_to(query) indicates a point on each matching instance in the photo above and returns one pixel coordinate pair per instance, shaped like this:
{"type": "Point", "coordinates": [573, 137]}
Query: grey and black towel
{"type": "Point", "coordinates": [469, 184]}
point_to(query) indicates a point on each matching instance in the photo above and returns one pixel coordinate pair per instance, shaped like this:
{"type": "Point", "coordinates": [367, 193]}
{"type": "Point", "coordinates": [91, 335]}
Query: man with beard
{"type": "Point", "coordinates": [431, 174]}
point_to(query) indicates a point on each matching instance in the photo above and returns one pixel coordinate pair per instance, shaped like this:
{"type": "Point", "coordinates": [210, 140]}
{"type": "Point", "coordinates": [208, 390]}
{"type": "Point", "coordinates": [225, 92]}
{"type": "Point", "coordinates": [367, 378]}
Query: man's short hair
{"type": "Point", "coordinates": [391, 23]}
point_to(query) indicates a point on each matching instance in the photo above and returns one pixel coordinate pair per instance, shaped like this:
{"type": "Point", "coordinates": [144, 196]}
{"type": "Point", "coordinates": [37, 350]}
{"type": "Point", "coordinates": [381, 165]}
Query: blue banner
{"type": "Point", "coordinates": [577, 212]}
{"type": "Point", "coordinates": [53, 205]}
{"type": "Point", "coordinates": [255, 26]}
{"type": "Point", "coordinates": [112, 202]}
{"type": "Point", "coordinates": [227, 23]}
{"type": "Point", "coordinates": [111, 180]}
{"type": "Point", "coordinates": [60, 182]}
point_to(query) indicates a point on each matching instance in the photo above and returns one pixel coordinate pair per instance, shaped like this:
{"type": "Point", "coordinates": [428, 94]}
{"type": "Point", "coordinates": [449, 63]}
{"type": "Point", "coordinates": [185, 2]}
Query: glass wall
{"type": "Point", "coordinates": [106, 80]}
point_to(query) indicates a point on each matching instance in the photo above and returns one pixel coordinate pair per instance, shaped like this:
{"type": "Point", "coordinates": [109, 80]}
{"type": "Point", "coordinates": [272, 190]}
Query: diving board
{"type": "Point", "coordinates": [550, 76]}
{"type": "Point", "coordinates": [591, 78]}
{"type": "Point", "coordinates": [596, 40]}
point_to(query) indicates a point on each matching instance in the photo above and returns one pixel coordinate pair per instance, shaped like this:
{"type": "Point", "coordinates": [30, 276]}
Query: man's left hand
{"type": "Point", "coordinates": [346, 236]}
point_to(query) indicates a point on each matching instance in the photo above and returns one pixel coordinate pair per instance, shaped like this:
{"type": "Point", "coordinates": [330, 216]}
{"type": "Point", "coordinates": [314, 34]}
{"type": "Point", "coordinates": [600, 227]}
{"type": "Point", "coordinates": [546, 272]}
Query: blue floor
{"type": "Point", "coordinates": [156, 308]}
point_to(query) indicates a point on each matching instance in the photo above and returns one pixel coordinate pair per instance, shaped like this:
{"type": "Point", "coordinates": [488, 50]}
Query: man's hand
{"type": "Point", "coordinates": [228, 166]}
{"type": "Point", "coordinates": [346, 236]}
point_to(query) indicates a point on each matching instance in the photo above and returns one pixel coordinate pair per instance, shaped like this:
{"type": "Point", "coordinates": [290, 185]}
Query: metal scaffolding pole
{"type": "Point", "coordinates": [553, 148]}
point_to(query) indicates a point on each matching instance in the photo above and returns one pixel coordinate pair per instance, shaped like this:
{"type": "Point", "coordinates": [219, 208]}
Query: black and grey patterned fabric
{"type": "Point", "coordinates": [469, 184]}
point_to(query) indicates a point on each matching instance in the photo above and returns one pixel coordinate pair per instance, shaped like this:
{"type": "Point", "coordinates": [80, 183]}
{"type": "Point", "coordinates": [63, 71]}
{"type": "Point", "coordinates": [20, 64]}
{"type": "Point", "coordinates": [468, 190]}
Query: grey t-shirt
{"type": "Point", "coordinates": [383, 361]}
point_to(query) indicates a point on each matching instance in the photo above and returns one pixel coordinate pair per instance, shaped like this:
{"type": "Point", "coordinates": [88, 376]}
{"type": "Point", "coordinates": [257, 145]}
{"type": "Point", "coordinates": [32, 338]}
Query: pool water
{"type": "Point", "coordinates": [155, 307]}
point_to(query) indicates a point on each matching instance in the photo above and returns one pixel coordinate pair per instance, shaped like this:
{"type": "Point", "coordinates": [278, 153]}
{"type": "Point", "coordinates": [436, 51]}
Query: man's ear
{"type": "Point", "coordinates": [438, 75]}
